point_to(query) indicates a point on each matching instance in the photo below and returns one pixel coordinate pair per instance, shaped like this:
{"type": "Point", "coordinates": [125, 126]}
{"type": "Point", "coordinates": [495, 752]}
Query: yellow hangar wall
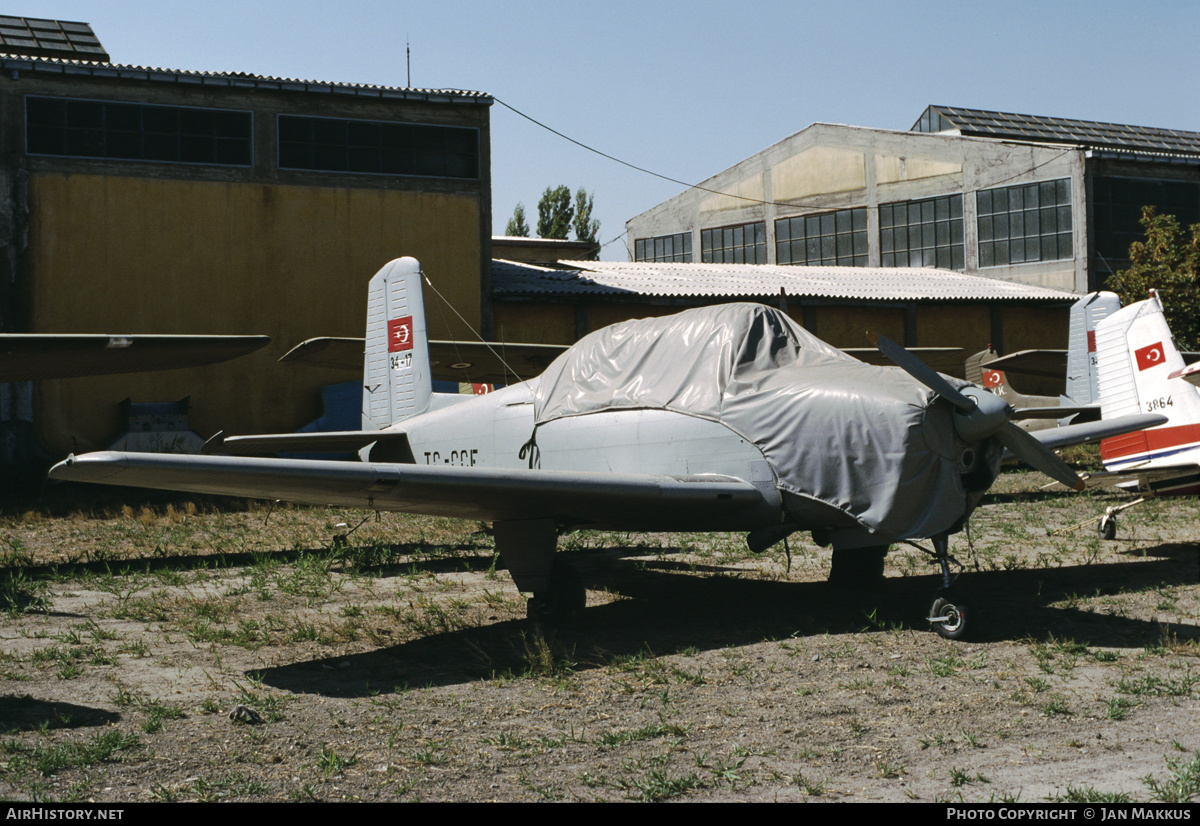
{"type": "Point", "coordinates": [134, 255]}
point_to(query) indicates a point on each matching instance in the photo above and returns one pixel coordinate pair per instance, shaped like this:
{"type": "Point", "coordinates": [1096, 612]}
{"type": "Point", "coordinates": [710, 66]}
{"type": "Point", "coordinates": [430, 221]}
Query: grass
{"type": "Point", "coordinates": [1154, 685]}
{"type": "Point", "coordinates": [612, 739]}
{"type": "Point", "coordinates": [658, 784]}
{"type": "Point", "coordinates": [330, 763]}
{"type": "Point", "coordinates": [1181, 785]}
{"type": "Point", "coordinates": [47, 760]}
{"type": "Point", "coordinates": [650, 728]}
{"type": "Point", "coordinates": [1089, 794]}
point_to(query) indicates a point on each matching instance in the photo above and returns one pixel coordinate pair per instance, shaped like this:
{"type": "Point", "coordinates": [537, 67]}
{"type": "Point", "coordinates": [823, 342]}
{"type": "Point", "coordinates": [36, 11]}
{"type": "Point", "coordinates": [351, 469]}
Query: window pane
{"type": "Point", "coordinates": [1023, 230]}
{"type": "Point", "coordinates": [137, 132]}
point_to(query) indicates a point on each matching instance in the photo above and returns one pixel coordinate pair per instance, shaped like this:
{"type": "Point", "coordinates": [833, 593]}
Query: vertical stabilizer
{"type": "Point", "coordinates": [1137, 357]}
{"type": "Point", "coordinates": [1086, 313]}
{"type": "Point", "coordinates": [396, 375]}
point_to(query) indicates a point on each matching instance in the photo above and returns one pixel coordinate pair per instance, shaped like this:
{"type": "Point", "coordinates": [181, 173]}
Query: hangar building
{"type": "Point", "coordinates": [1044, 201]}
{"type": "Point", "coordinates": [148, 200]}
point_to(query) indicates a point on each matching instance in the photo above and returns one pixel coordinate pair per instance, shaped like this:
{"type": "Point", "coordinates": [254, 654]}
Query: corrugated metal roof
{"type": "Point", "coordinates": [60, 66]}
{"type": "Point", "coordinates": [614, 278]}
{"type": "Point", "coordinates": [982, 123]}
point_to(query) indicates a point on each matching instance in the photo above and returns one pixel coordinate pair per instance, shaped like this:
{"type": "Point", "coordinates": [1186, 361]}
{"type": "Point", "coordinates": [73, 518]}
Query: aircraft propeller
{"type": "Point", "coordinates": [981, 414]}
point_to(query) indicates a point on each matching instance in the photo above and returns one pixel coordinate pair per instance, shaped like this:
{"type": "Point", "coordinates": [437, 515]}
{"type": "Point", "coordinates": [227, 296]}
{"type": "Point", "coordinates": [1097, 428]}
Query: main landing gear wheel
{"type": "Point", "coordinates": [1107, 527]}
{"type": "Point", "coordinates": [949, 616]}
{"type": "Point", "coordinates": [560, 603]}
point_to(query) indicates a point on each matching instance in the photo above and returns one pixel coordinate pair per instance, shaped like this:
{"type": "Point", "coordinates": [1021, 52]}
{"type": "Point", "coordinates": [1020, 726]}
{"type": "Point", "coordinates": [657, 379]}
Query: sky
{"type": "Point", "coordinates": [683, 89]}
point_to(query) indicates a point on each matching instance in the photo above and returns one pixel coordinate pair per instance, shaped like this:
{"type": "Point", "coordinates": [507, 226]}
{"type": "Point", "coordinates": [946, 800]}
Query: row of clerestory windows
{"type": "Point", "coordinates": [110, 130]}
{"type": "Point", "coordinates": [1016, 224]}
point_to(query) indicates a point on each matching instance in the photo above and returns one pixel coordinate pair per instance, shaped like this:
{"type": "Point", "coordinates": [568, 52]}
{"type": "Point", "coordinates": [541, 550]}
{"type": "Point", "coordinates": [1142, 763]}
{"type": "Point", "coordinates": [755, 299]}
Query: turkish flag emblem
{"type": "Point", "coordinates": [1149, 356]}
{"type": "Point", "coordinates": [993, 378]}
{"type": "Point", "coordinates": [400, 334]}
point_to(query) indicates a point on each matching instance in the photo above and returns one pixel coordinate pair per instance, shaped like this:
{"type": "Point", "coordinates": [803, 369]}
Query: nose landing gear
{"type": "Point", "coordinates": [948, 615]}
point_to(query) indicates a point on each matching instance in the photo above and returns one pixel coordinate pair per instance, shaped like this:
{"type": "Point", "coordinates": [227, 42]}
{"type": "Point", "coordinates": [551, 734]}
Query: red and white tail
{"type": "Point", "coordinates": [396, 372]}
{"type": "Point", "coordinates": [1136, 358]}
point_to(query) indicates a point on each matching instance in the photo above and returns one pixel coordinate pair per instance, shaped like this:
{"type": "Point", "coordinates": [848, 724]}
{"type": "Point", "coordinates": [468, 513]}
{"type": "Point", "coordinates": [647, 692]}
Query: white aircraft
{"type": "Point", "coordinates": [724, 418]}
{"type": "Point", "coordinates": [1141, 371]}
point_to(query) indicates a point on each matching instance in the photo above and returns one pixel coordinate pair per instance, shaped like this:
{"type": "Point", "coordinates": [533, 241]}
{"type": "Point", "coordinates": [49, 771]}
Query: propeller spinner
{"type": "Point", "coordinates": [981, 414]}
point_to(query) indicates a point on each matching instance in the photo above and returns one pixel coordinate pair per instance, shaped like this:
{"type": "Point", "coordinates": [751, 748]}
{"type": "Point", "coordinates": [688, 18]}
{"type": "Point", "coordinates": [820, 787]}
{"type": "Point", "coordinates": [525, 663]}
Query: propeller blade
{"type": "Point", "coordinates": [1034, 453]}
{"type": "Point", "coordinates": [921, 371]}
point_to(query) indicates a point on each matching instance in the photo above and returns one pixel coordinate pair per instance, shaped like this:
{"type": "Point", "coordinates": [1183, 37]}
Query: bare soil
{"type": "Point", "coordinates": [215, 650]}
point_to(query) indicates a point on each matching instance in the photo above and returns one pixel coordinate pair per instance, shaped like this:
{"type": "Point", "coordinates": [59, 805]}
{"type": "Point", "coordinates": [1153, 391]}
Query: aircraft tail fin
{"type": "Point", "coordinates": [1136, 358]}
{"type": "Point", "coordinates": [396, 373]}
{"type": "Point", "coordinates": [974, 366]}
{"type": "Point", "coordinates": [1086, 313]}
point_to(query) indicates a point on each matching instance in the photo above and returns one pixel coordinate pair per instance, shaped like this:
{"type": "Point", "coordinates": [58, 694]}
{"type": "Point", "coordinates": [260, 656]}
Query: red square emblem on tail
{"type": "Point", "coordinates": [1149, 356]}
{"type": "Point", "coordinates": [400, 334]}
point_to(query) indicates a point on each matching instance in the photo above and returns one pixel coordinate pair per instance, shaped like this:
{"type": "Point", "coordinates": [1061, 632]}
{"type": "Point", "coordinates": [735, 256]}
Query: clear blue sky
{"type": "Point", "coordinates": [685, 89]}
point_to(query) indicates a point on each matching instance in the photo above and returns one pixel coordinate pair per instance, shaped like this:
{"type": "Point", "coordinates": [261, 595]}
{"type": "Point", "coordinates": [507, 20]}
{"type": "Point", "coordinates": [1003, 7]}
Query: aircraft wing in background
{"type": "Point", "coordinates": [29, 357]}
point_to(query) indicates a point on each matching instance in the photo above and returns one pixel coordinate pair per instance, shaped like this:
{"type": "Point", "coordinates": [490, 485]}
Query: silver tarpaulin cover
{"type": "Point", "coordinates": [870, 441]}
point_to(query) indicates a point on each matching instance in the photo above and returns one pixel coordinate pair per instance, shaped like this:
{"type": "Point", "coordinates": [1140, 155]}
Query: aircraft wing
{"type": "Point", "coordinates": [639, 501]}
{"type": "Point", "coordinates": [28, 357]}
{"type": "Point", "coordinates": [1089, 432]}
{"type": "Point", "coordinates": [1190, 374]}
{"type": "Point", "coordinates": [338, 353]}
{"type": "Point", "coordinates": [478, 362]}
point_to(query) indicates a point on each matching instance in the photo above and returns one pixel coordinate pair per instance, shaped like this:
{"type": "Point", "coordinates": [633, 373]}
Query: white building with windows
{"type": "Point", "coordinates": [1042, 201]}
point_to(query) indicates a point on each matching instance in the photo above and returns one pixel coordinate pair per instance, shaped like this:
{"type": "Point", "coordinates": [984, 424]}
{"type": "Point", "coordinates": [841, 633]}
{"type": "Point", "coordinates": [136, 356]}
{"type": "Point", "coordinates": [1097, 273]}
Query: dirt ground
{"type": "Point", "coordinates": [210, 650]}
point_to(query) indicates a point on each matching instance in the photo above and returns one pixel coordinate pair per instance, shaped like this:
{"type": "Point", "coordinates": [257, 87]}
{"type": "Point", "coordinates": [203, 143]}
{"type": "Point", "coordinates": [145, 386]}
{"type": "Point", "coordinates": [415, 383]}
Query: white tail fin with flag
{"type": "Point", "coordinates": [1136, 357]}
{"type": "Point", "coordinates": [396, 372]}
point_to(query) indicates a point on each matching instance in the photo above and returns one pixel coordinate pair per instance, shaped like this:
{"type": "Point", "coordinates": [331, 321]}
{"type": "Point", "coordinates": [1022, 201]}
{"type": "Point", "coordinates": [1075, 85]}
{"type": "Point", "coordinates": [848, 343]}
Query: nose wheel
{"type": "Point", "coordinates": [948, 615]}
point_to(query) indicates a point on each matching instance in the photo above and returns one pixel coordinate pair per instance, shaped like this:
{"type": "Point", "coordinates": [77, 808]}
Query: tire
{"type": "Point", "coordinates": [1107, 528]}
{"type": "Point", "coordinates": [955, 626]}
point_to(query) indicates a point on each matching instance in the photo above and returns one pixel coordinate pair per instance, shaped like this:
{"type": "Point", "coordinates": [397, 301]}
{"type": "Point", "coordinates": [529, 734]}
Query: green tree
{"type": "Point", "coordinates": [1168, 261]}
{"type": "Point", "coordinates": [586, 227]}
{"type": "Point", "coordinates": [517, 228]}
{"type": "Point", "coordinates": [555, 213]}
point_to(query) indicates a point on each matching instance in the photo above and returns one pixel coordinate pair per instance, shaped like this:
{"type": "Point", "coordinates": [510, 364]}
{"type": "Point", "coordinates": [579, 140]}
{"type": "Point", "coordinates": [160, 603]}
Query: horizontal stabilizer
{"type": "Point", "coordinates": [478, 362]}
{"type": "Point", "coordinates": [1089, 432]}
{"type": "Point", "coordinates": [634, 501]}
